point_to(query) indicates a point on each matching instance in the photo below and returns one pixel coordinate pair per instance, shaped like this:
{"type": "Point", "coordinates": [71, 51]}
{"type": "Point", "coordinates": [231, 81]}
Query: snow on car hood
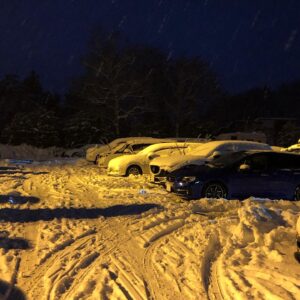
{"type": "Point", "coordinates": [175, 162]}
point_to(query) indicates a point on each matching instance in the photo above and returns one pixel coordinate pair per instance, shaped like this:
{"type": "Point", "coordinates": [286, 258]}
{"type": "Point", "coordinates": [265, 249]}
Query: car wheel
{"type": "Point", "coordinates": [134, 170]}
{"type": "Point", "coordinates": [297, 193]}
{"type": "Point", "coordinates": [215, 190]}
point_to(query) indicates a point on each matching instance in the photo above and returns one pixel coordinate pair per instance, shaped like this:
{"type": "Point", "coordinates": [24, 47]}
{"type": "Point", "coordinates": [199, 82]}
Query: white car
{"type": "Point", "coordinates": [101, 154]}
{"type": "Point", "coordinates": [136, 164]}
{"type": "Point", "coordinates": [95, 151]}
{"type": "Point", "coordinates": [161, 166]}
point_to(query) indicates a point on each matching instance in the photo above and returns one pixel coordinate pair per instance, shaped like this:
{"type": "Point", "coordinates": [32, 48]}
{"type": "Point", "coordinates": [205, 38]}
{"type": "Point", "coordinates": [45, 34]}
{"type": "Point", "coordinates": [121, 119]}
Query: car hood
{"type": "Point", "coordinates": [170, 164]}
{"type": "Point", "coordinates": [195, 170]}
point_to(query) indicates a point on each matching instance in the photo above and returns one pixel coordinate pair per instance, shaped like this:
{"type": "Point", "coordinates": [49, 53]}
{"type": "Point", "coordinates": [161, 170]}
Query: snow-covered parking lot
{"type": "Point", "coordinates": [84, 235]}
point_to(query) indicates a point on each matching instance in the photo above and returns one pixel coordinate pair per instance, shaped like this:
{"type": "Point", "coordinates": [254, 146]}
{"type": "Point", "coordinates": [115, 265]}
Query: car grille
{"type": "Point", "coordinates": [182, 192]}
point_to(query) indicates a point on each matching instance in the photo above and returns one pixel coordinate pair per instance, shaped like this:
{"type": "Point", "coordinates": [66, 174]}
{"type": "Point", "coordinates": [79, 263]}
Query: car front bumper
{"type": "Point", "coordinates": [158, 179]}
{"type": "Point", "coordinates": [188, 190]}
{"type": "Point", "coordinates": [115, 172]}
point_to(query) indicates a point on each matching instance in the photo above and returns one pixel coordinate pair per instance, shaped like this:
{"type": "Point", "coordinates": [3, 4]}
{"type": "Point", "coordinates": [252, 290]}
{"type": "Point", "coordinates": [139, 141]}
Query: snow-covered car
{"type": "Point", "coordinates": [160, 167]}
{"type": "Point", "coordinates": [101, 154]}
{"type": "Point", "coordinates": [75, 152]}
{"type": "Point", "coordinates": [95, 151]}
{"type": "Point", "coordinates": [240, 175]}
{"type": "Point", "coordinates": [136, 164]}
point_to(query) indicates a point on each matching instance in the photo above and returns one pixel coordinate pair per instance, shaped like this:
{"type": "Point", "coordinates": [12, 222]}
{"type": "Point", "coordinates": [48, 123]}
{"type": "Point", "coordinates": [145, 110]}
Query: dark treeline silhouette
{"type": "Point", "coordinates": [130, 90]}
{"type": "Point", "coordinates": [28, 113]}
{"type": "Point", "coordinates": [274, 112]}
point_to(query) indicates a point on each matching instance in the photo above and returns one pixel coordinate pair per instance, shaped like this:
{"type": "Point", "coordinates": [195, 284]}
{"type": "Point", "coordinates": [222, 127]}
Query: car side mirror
{"type": "Point", "coordinates": [244, 168]}
{"type": "Point", "coordinates": [216, 154]}
{"type": "Point", "coordinates": [127, 151]}
{"type": "Point", "coordinates": [151, 156]}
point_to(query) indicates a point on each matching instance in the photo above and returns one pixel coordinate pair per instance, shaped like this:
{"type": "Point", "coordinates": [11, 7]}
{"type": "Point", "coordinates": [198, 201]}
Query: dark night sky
{"type": "Point", "coordinates": [247, 42]}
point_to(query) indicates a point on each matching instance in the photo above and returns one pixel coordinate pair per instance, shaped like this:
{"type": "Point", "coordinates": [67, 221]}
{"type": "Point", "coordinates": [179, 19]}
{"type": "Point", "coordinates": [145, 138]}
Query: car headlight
{"type": "Point", "coordinates": [188, 179]}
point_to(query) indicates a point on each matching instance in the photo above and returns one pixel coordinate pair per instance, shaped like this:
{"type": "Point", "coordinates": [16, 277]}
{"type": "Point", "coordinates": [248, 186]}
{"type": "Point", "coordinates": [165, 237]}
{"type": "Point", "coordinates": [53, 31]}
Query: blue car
{"type": "Point", "coordinates": [239, 175]}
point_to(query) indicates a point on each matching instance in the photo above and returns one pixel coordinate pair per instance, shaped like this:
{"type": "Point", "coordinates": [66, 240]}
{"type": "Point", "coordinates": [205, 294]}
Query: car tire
{"type": "Point", "coordinates": [297, 193]}
{"type": "Point", "coordinates": [214, 190]}
{"type": "Point", "coordinates": [134, 170]}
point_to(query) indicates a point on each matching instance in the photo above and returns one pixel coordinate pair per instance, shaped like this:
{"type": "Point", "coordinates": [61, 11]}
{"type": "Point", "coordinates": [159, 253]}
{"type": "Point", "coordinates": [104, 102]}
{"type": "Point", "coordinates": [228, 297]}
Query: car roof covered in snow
{"type": "Point", "coordinates": [235, 156]}
{"type": "Point", "coordinates": [205, 149]}
{"type": "Point", "coordinates": [160, 146]}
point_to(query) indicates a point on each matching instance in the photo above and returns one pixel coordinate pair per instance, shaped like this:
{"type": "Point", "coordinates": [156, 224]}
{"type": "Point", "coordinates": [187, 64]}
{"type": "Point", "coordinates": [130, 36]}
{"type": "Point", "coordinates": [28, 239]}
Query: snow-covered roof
{"type": "Point", "coordinates": [161, 146]}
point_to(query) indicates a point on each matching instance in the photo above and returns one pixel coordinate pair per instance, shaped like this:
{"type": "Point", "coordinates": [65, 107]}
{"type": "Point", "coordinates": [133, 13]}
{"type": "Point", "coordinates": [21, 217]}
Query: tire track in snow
{"type": "Point", "coordinates": [35, 282]}
{"type": "Point", "coordinates": [128, 281]}
{"type": "Point", "coordinates": [110, 238]}
{"type": "Point", "coordinates": [155, 282]}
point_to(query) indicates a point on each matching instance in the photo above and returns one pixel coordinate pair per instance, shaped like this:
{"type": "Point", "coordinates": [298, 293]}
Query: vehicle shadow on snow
{"type": "Point", "coordinates": [18, 199]}
{"type": "Point", "coordinates": [47, 214]}
{"type": "Point", "coordinates": [10, 292]}
{"type": "Point", "coordinates": [18, 172]}
{"type": "Point", "coordinates": [8, 243]}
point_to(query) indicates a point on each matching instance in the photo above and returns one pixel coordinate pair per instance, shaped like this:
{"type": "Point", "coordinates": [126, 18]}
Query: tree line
{"type": "Point", "coordinates": [132, 90]}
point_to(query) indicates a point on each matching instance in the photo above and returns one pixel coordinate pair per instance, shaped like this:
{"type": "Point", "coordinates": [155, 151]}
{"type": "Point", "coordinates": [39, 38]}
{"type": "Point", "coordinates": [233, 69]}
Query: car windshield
{"type": "Point", "coordinates": [204, 150]}
{"type": "Point", "coordinates": [151, 148]}
{"type": "Point", "coordinates": [119, 147]}
{"type": "Point", "coordinates": [115, 143]}
{"type": "Point", "coordinates": [226, 160]}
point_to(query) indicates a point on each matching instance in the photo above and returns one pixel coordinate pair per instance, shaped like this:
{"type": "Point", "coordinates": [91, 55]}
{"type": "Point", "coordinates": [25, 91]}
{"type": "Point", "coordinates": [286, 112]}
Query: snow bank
{"type": "Point", "coordinates": [26, 152]}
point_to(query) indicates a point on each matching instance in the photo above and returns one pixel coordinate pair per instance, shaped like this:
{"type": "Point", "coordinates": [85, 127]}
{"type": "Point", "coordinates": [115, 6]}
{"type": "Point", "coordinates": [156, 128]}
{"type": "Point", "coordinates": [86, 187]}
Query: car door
{"type": "Point", "coordinates": [284, 168]}
{"type": "Point", "coordinates": [256, 181]}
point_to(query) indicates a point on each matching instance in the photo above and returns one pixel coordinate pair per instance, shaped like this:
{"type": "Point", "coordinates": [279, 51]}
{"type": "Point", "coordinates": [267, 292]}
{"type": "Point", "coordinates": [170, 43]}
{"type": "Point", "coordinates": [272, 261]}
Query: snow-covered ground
{"type": "Point", "coordinates": [84, 235]}
{"type": "Point", "coordinates": [28, 152]}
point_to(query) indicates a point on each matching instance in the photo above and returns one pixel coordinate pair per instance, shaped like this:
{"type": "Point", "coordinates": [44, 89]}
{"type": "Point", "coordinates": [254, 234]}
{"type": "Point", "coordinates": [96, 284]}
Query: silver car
{"type": "Point", "coordinates": [139, 163]}
{"type": "Point", "coordinates": [121, 146]}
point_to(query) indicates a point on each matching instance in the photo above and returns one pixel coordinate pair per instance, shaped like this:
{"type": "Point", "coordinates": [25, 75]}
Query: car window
{"type": "Point", "coordinates": [119, 147]}
{"type": "Point", "coordinates": [258, 162]}
{"type": "Point", "coordinates": [226, 148]}
{"type": "Point", "coordinates": [122, 148]}
{"type": "Point", "coordinates": [204, 150]}
{"type": "Point", "coordinates": [285, 161]}
{"type": "Point", "coordinates": [244, 147]}
{"type": "Point", "coordinates": [164, 152]}
{"type": "Point", "coordinates": [170, 151]}
{"type": "Point", "coordinates": [139, 147]}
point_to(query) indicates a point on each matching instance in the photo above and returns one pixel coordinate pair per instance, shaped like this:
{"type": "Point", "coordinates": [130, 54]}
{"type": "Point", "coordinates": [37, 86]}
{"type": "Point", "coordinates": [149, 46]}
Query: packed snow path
{"type": "Point", "coordinates": [90, 236]}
